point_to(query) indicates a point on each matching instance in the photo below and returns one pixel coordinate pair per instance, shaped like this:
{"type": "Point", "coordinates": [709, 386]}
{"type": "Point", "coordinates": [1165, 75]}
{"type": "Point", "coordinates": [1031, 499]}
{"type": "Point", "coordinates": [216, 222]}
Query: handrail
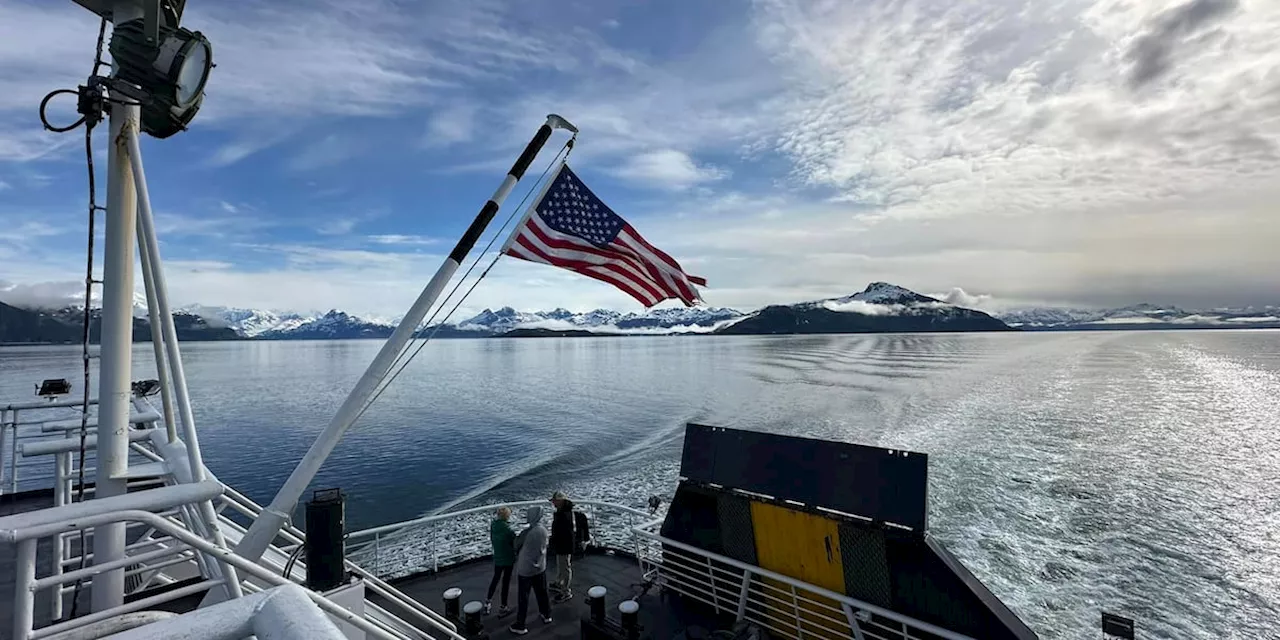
{"type": "Point", "coordinates": [222, 554]}
{"type": "Point", "coordinates": [279, 612]}
{"type": "Point", "coordinates": [474, 510]}
{"type": "Point", "coordinates": [249, 508]}
{"type": "Point", "coordinates": [798, 584]}
{"type": "Point", "coordinates": [45, 404]}
{"type": "Point", "coordinates": [46, 522]}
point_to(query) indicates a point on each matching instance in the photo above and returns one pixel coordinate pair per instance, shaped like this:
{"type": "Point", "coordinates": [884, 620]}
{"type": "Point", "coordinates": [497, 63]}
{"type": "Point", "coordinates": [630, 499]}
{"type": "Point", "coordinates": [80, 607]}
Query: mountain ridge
{"type": "Point", "coordinates": [914, 312]}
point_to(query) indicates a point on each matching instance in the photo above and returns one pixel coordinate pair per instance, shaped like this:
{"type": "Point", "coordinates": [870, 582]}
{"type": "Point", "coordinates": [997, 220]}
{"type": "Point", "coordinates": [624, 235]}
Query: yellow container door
{"type": "Point", "coordinates": [806, 547]}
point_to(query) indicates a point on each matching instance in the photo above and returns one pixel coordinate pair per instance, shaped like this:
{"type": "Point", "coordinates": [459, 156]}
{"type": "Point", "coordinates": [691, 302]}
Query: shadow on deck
{"type": "Point", "coordinates": [660, 616]}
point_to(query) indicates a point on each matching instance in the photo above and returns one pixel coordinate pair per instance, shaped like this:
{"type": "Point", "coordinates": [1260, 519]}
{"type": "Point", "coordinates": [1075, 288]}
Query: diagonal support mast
{"type": "Point", "coordinates": [274, 516]}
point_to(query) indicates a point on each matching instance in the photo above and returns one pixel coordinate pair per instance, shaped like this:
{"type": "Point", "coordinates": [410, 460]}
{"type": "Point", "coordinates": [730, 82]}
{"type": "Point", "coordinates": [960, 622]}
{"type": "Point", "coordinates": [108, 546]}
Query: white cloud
{"type": "Point", "coordinates": [864, 308]}
{"type": "Point", "coordinates": [42, 295]}
{"type": "Point", "coordinates": [960, 298]}
{"type": "Point", "coordinates": [451, 125]}
{"type": "Point", "coordinates": [668, 169]}
{"type": "Point", "coordinates": [395, 238]}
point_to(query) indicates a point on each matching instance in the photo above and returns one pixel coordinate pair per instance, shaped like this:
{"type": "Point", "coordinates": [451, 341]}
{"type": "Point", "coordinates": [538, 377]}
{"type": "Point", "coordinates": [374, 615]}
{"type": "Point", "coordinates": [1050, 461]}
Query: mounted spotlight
{"type": "Point", "coordinates": [166, 74]}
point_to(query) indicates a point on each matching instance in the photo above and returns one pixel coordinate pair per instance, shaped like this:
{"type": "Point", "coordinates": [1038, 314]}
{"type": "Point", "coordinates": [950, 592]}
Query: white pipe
{"type": "Point", "coordinates": [151, 246]}
{"type": "Point", "coordinates": [157, 336]}
{"type": "Point", "coordinates": [118, 624]}
{"type": "Point", "coordinates": [279, 612]}
{"type": "Point", "coordinates": [64, 445]}
{"type": "Point", "coordinates": [49, 426]}
{"type": "Point", "coordinates": [182, 535]}
{"type": "Point", "coordinates": [24, 598]}
{"type": "Point", "coordinates": [117, 349]}
{"type": "Point", "coordinates": [62, 466]}
{"type": "Point", "coordinates": [19, 525]}
{"type": "Point", "coordinates": [45, 404]}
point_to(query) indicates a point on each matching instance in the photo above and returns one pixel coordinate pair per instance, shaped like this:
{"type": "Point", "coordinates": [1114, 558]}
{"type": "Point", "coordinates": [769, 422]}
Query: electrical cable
{"type": "Point", "coordinates": [91, 115]}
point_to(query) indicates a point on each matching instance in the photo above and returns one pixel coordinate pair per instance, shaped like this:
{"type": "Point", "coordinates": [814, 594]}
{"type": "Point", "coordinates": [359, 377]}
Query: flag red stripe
{"type": "Point", "coordinates": [675, 282]}
{"type": "Point", "coordinates": [557, 240]}
{"type": "Point", "coordinates": [518, 252]}
{"type": "Point", "coordinates": [662, 255]}
{"type": "Point", "coordinates": [631, 283]}
{"type": "Point", "coordinates": [554, 241]}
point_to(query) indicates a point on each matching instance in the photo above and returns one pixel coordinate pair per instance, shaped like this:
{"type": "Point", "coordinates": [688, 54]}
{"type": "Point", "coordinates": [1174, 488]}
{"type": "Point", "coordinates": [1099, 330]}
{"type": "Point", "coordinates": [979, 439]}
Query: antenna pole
{"type": "Point", "coordinates": [273, 517]}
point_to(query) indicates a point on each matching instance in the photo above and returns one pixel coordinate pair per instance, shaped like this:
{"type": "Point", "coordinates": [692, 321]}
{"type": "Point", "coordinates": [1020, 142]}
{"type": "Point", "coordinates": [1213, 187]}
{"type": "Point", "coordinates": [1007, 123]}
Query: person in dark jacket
{"type": "Point", "coordinates": [503, 538]}
{"type": "Point", "coordinates": [562, 543]}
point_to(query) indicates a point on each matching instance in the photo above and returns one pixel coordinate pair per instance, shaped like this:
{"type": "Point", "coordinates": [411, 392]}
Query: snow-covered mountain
{"type": "Point", "coordinates": [880, 308]}
{"type": "Point", "coordinates": [249, 322]}
{"type": "Point", "coordinates": [1140, 316]}
{"type": "Point", "coordinates": [673, 320]}
{"type": "Point", "coordinates": [331, 326]}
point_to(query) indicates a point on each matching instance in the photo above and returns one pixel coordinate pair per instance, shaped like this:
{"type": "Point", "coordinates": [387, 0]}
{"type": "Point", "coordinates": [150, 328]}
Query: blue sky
{"type": "Point", "coordinates": [1077, 152]}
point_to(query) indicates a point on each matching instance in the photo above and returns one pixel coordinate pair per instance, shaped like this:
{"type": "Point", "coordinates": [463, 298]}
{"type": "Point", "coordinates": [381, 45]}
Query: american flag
{"type": "Point", "coordinates": [570, 227]}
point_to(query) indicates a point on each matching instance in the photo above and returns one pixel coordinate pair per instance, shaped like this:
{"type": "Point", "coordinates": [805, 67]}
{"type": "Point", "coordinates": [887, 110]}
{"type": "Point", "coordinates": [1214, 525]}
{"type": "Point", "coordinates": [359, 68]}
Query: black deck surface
{"type": "Point", "coordinates": [660, 616]}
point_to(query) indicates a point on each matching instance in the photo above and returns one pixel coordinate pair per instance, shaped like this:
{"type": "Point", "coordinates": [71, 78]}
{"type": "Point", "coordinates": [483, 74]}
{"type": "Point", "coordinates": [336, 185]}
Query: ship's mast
{"type": "Point", "coordinates": [151, 90]}
{"type": "Point", "coordinates": [117, 340]}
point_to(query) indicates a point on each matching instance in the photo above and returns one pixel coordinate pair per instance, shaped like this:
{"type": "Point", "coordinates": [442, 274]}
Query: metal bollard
{"type": "Point", "coordinates": [471, 624]}
{"type": "Point", "coordinates": [630, 610]}
{"type": "Point", "coordinates": [595, 603]}
{"type": "Point", "coordinates": [452, 603]}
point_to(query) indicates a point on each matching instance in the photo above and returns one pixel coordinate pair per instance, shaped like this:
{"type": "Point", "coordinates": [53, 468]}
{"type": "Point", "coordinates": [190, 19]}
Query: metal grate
{"type": "Point", "coordinates": [866, 569]}
{"type": "Point", "coordinates": [736, 531]}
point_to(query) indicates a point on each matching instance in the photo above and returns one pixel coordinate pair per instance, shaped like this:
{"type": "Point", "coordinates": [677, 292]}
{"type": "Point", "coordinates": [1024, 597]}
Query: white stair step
{"type": "Point", "coordinates": [146, 470]}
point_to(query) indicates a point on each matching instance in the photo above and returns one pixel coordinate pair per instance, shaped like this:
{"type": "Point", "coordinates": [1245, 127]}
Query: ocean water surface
{"type": "Point", "coordinates": [1135, 472]}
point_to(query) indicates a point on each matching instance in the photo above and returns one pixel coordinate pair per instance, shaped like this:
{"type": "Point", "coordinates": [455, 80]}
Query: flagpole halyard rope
{"type": "Point", "coordinates": [565, 150]}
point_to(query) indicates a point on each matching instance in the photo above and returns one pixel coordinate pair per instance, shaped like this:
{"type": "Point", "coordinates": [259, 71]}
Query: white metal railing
{"type": "Point", "coordinates": [432, 543]}
{"type": "Point", "coordinates": [156, 556]}
{"type": "Point", "coordinates": [291, 537]}
{"type": "Point", "coordinates": [25, 530]}
{"type": "Point", "coordinates": [786, 606]}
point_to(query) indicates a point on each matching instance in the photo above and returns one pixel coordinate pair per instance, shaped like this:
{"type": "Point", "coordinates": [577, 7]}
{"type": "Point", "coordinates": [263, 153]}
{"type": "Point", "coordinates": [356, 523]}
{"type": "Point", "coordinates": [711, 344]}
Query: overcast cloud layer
{"type": "Point", "coordinates": [1070, 152]}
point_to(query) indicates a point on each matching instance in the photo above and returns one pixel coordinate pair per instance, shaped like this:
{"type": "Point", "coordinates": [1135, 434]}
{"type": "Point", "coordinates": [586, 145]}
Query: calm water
{"type": "Point", "coordinates": [1134, 472]}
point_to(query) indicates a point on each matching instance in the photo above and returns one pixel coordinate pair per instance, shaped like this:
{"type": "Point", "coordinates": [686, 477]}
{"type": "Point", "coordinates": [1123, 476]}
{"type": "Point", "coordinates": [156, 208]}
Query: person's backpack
{"type": "Point", "coordinates": [581, 531]}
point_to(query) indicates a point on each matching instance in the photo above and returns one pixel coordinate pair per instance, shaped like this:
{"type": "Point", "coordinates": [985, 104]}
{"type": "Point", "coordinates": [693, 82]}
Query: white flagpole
{"type": "Point", "coordinates": [267, 525]}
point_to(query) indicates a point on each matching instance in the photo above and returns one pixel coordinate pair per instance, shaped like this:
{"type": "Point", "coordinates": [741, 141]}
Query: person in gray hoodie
{"type": "Point", "coordinates": [531, 570]}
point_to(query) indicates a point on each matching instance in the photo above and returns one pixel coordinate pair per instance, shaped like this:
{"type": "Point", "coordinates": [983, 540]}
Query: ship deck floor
{"type": "Point", "coordinates": [660, 616]}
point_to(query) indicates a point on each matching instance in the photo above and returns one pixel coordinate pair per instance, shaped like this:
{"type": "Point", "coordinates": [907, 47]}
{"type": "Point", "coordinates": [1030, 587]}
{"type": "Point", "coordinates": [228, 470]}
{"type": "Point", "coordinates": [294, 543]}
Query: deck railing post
{"type": "Point", "coordinates": [742, 596]}
{"type": "Point", "coordinates": [435, 550]}
{"type": "Point", "coordinates": [377, 554]}
{"type": "Point", "coordinates": [23, 597]}
{"type": "Point", "coordinates": [4, 428]}
{"type": "Point", "coordinates": [13, 455]}
{"type": "Point", "coordinates": [795, 609]}
{"type": "Point", "coordinates": [853, 622]}
{"type": "Point", "coordinates": [711, 578]}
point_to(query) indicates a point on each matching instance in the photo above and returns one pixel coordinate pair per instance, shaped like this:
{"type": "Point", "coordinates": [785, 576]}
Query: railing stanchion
{"type": "Point", "coordinates": [435, 551]}
{"type": "Point", "coordinates": [24, 597]}
{"type": "Point", "coordinates": [13, 456]}
{"type": "Point", "coordinates": [711, 579]}
{"type": "Point", "coordinates": [4, 428]}
{"type": "Point", "coordinates": [853, 622]}
{"type": "Point", "coordinates": [742, 595]}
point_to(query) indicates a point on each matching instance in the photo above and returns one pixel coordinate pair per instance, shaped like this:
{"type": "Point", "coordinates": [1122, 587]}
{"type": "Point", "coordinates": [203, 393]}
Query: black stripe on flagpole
{"type": "Point", "coordinates": [490, 208]}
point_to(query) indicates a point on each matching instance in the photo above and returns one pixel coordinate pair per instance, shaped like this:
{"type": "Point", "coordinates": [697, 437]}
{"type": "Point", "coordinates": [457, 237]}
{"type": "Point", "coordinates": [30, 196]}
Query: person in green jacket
{"type": "Point", "coordinates": [503, 538]}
